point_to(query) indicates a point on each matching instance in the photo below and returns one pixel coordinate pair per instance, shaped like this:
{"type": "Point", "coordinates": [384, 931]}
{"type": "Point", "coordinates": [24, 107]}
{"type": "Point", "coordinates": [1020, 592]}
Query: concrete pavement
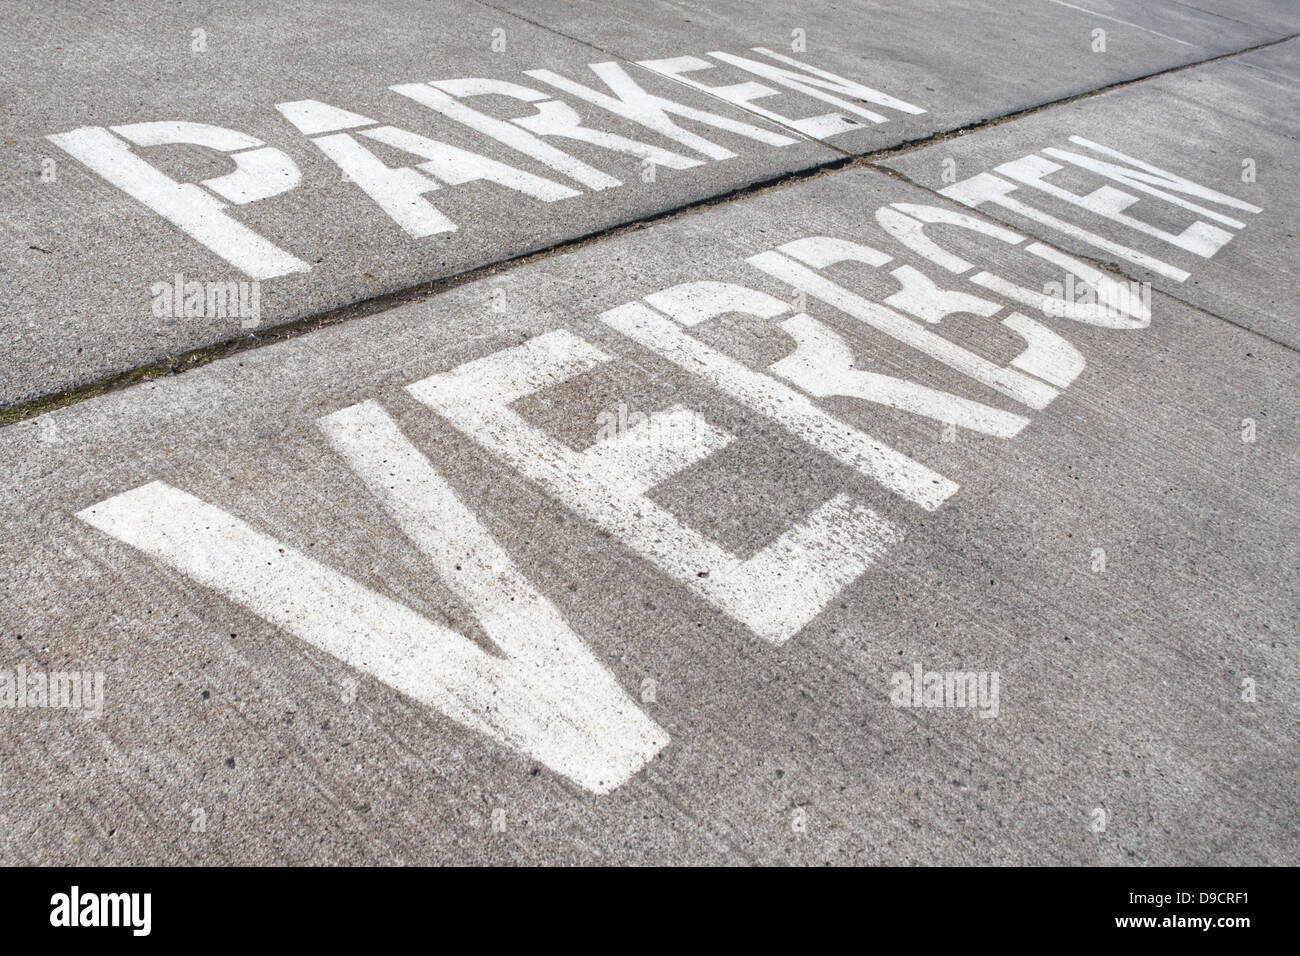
{"type": "Point", "coordinates": [100, 212]}
{"type": "Point", "coordinates": [838, 522]}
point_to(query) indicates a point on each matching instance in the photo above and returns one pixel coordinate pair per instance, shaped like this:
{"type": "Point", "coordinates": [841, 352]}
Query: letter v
{"type": "Point", "coordinates": [546, 696]}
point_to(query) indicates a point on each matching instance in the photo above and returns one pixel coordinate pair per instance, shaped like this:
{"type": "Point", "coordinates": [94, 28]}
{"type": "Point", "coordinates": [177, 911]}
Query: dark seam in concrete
{"type": "Point", "coordinates": [1213, 13]}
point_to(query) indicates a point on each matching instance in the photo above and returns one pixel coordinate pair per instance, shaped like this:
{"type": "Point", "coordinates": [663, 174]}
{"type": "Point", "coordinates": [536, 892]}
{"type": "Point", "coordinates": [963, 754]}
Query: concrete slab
{"type": "Point", "coordinates": [1245, 115]}
{"type": "Point", "coordinates": [1125, 564]}
{"type": "Point", "coordinates": [82, 256]}
{"type": "Point", "coordinates": [966, 63]}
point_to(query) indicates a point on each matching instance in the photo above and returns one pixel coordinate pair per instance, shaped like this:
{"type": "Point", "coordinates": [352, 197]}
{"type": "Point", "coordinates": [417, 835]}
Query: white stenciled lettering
{"type": "Point", "coordinates": [260, 172]}
{"type": "Point", "coordinates": [552, 119]}
{"type": "Point", "coordinates": [691, 303]}
{"type": "Point", "coordinates": [775, 592]}
{"type": "Point", "coordinates": [632, 102]}
{"type": "Point", "coordinates": [820, 252]}
{"type": "Point", "coordinates": [543, 695]}
{"type": "Point", "coordinates": [811, 82]}
{"type": "Point", "coordinates": [1114, 308]}
{"type": "Point", "coordinates": [400, 191]}
{"type": "Point", "coordinates": [823, 365]}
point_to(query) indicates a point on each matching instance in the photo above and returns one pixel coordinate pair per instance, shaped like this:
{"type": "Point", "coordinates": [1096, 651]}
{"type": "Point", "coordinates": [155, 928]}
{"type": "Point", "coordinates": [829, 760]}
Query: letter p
{"type": "Point", "coordinates": [260, 172]}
